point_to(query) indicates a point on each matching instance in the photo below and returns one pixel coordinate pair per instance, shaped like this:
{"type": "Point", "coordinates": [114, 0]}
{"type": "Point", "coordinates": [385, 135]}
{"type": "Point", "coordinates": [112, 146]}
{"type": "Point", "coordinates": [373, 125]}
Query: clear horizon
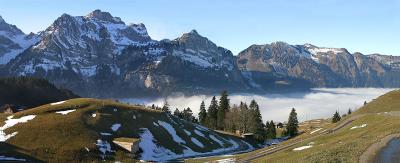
{"type": "Point", "coordinates": [360, 26]}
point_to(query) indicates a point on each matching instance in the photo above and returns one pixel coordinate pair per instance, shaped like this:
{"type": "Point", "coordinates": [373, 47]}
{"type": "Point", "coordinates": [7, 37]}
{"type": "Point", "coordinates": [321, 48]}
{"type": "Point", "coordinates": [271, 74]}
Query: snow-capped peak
{"type": "Point", "coordinates": [104, 16]}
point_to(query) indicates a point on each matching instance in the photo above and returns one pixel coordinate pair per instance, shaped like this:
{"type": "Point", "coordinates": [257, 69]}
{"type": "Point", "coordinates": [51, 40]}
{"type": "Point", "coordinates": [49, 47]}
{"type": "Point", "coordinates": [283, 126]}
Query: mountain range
{"type": "Point", "coordinates": [99, 55]}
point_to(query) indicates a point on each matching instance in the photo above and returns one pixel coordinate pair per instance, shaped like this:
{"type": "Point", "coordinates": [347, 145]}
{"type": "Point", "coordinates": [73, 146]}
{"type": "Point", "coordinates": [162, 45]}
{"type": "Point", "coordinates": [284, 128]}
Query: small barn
{"type": "Point", "coordinates": [130, 144]}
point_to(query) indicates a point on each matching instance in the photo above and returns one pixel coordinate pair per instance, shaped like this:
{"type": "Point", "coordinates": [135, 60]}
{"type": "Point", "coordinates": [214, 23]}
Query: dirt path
{"type": "Point", "coordinates": [372, 151]}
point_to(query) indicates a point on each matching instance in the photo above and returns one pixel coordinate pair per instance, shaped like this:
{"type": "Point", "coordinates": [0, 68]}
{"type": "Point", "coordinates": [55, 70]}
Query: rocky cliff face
{"type": "Point", "coordinates": [322, 67]}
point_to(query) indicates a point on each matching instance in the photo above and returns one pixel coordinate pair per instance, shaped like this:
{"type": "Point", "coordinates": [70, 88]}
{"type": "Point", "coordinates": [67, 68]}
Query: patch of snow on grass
{"type": "Point", "coordinates": [187, 132]}
{"type": "Point", "coordinates": [227, 160]}
{"type": "Point", "coordinates": [198, 143]}
{"type": "Point", "coordinates": [171, 131]}
{"type": "Point", "coordinates": [155, 124]}
{"type": "Point", "coordinates": [199, 133]}
{"type": "Point", "coordinates": [10, 123]}
{"type": "Point", "coordinates": [361, 126]}
{"type": "Point", "coordinates": [217, 140]}
{"type": "Point", "coordinates": [4, 158]}
{"type": "Point", "coordinates": [66, 111]}
{"type": "Point", "coordinates": [104, 147]}
{"type": "Point", "coordinates": [115, 127]}
{"type": "Point", "coordinates": [57, 103]}
{"type": "Point", "coordinates": [150, 150]}
{"type": "Point", "coordinates": [105, 134]}
{"type": "Point", "coordinates": [316, 130]}
{"type": "Point", "coordinates": [202, 128]}
{"type": "Point", "coordinates": [309, 145]}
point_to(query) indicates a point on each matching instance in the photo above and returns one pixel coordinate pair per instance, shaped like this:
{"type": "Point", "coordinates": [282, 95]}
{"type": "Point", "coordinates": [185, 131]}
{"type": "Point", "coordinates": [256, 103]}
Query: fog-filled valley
{"type": "Point", "coordinates": [318, 103]}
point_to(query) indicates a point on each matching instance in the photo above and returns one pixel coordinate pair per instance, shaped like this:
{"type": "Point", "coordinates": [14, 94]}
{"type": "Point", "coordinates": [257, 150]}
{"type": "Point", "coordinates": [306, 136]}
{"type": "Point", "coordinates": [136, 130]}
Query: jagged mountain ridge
{"type": "Point", "coordinates": [99, 55]}
{"type": "Point", "coordinates": [323, 67]}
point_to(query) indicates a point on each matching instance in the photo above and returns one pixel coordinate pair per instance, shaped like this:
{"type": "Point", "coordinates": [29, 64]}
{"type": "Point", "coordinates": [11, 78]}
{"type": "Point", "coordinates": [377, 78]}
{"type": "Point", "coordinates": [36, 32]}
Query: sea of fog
{"type": "Point", "coordinates": [318, 103]}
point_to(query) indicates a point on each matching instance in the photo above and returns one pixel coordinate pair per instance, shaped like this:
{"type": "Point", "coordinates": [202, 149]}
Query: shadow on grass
{"type": "Point", "coordinates": [8, 150]}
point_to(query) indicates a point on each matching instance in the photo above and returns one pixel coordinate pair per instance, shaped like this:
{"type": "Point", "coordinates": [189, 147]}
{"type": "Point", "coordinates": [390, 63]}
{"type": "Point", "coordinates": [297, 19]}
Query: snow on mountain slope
{"type": "Point", "coordinates": [13, 41]}
{"type": "Point", "coordinates": [197, 49]}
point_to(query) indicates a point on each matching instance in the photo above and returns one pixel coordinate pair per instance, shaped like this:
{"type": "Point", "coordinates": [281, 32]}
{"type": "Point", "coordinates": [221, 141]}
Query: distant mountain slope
{"type": "Point", "coordinates": [83, 129]}
{"type": "Point", "coordinates": [27, 92]}
{"type": "Point", "coordinates": [13, 41]}
{"type": "Point", "coordinates": [322, 67]}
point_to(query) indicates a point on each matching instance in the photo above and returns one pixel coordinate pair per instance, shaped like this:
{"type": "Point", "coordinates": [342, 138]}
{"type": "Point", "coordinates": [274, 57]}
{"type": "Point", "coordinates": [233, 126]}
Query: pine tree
{"type": "Point", "coordinates": [293, 124]}
{"type": "Point", "coordinates": [336, 117]}
{"type": "Point", "coordinates": [222, 109]}
{"type": "Point", "coordinates": [349, 112]}
{"type": "Point", "coordinates": [177, 112]}
{"type": "Point", "coordinates": [188, 114]}
{"type": "Point", "coordinates": [202, 114]}
{"type": "Point", "coordinates": [244, 117]}
{"type": "Point", "coordinates": [256, 125]}
{"type": "Point", "coordinates": [212, 114]}
{"type": "Point", "coordinates": [165, 108]}
{"type": "Point", "coordinates": [272, 130]}
{"type": "Point", "coordinates": [267, 129]}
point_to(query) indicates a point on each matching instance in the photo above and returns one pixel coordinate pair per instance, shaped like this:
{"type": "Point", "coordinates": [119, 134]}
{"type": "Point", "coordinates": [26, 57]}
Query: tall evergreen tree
{"type": "Point", "coordinates": [177, 112]}
{"type": "Point", "coordinates": [272, 130]}
{"type": "Point", "coordinates": [202, 114]}
{"type": "Point", "coordinates": [187, 114]}
{"type": "Point", "coordinates": [349, 112]}
{"type": "Point", "coordinates": [293, 124]}
{"type": "Point", "coordinates": [165, 108]}
{"type": "Point", "coordinates": [212, 114]}
{"type": "Point", "coordinates": [222, 109]}
{"type": "Point", "coordinates": [336, 117]}
{"type": "Point", "coordinates": [244, 117]}
{"type": "Point", "coordinates": [267, 129]}
{"type": "Point", "coordinates": [256, 125]}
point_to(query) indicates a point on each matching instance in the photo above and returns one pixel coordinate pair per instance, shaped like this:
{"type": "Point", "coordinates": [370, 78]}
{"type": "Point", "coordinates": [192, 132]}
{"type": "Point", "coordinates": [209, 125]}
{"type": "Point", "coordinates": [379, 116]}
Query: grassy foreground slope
{"type": "Point", "coordinates": [376, 120]}
{"type": "Point", "coordinates": [83, 129]}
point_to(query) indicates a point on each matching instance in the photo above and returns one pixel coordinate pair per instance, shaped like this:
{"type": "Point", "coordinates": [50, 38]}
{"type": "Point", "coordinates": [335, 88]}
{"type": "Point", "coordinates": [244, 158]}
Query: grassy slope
{"type": "Point", "coordinates": [55, 137]}
{"type": "Point", "coordinates": [347, 145]}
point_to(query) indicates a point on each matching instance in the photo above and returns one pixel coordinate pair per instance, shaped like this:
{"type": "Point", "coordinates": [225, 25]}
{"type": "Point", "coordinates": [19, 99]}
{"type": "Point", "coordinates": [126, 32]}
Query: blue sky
{"type": "Point", "coordinates": [367, 26]}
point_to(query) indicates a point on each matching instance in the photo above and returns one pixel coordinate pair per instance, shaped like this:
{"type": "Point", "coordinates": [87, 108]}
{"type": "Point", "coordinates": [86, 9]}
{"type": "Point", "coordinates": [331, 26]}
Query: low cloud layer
{"type": "Point", "coordinates": [319, 103]}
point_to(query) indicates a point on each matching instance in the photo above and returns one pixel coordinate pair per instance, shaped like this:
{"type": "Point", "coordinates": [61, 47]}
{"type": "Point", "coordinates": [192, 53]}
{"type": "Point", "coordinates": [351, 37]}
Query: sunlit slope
{"type": "Point", "coordinates": [83, 130]}
{"type": "Point", "coordinates": [386, 103]}
{"type": "Point", "coordinates": [371, 123]}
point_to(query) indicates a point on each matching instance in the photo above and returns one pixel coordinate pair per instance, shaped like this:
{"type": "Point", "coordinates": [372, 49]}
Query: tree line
{"type": "Point", "coordinates": [244, 118]}
{"type": "Point", "coordinates": [220, 115]}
